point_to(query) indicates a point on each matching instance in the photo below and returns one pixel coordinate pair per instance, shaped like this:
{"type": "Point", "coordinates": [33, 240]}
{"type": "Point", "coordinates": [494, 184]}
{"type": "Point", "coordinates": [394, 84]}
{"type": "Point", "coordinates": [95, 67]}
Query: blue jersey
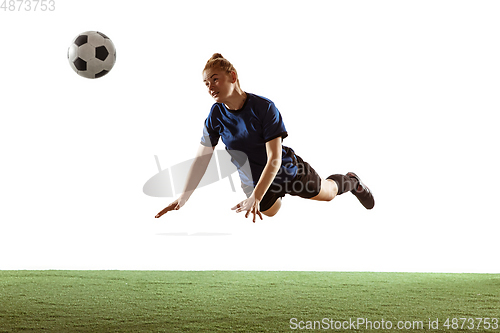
{"type": "Point", "coordinates": [246, 131]}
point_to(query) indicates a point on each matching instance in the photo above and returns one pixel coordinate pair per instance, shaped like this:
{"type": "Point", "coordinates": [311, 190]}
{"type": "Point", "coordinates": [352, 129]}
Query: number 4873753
{"type": "Point", "coordinates": [28, 5]}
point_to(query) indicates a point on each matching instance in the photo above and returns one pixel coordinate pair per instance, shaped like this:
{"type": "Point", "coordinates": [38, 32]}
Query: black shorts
{"type": "Point", "coordinates": [305, 184]}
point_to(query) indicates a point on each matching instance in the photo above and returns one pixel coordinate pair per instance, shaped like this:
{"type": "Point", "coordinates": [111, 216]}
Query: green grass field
{"type": "Point", "coordinates": [244, 301]}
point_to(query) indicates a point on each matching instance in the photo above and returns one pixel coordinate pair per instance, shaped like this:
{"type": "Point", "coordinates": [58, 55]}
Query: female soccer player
{"type": "Point", "coordinates": [252, 129]}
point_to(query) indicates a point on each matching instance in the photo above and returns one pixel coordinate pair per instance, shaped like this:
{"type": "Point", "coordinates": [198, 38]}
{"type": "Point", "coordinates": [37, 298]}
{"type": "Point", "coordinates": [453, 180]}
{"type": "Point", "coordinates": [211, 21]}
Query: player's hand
{"type": "Point", "coordinates": [251, 206]}
{"type": "Point", "coordinates": [176, 205]}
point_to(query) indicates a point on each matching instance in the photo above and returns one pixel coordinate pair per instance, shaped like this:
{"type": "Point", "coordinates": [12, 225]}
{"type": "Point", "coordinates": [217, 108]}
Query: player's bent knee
{"type": "Point", "coordinates": [274, 209]}
{"type": "Point", "coordinates": [332, 190]}
{"type": "Point", "coordinates": [327, 192]}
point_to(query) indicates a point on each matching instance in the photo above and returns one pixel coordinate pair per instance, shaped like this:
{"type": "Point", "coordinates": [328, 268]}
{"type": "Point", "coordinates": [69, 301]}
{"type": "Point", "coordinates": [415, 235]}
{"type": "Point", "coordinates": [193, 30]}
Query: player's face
{"type": "Point", "coordinates": [218, 83]}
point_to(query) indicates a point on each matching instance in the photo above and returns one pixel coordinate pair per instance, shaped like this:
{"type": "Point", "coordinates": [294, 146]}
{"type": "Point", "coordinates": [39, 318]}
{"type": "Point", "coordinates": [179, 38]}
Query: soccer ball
{"type": "Point", "coordinates": [92, 54]}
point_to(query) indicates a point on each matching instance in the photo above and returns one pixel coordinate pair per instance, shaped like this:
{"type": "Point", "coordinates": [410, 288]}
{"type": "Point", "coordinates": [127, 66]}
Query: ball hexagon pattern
{"type": "Point", "coordinates": [92, 54]}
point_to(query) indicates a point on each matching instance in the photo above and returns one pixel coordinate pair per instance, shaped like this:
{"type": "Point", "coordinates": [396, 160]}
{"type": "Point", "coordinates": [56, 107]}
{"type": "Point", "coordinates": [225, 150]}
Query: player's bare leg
{"type": "Point", "coordinates": [274, 209]}
{"type": "Point", "coordinates": [329, 190]}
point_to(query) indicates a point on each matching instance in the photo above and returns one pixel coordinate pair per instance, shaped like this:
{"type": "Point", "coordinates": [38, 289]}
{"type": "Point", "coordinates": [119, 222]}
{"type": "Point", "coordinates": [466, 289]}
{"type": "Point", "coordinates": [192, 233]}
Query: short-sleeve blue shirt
{"type": "Point", "coordinates": [247, 130]}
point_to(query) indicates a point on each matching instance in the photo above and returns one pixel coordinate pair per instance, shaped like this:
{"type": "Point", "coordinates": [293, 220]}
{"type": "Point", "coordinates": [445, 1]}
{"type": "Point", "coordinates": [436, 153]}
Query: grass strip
{"type": "Point", "coordinates": [237, 301]}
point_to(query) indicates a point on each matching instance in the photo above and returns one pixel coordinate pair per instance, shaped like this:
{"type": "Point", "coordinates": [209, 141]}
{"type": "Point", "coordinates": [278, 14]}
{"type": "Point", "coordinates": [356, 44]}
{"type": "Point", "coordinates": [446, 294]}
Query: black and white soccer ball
{"type": "Point", "coordinates": [92, 54]}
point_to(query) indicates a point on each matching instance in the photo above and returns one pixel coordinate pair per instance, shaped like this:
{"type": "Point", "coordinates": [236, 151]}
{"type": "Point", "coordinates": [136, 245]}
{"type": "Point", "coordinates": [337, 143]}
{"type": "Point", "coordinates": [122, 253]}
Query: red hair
{"type": "Point", "coordinates": [219, 62]}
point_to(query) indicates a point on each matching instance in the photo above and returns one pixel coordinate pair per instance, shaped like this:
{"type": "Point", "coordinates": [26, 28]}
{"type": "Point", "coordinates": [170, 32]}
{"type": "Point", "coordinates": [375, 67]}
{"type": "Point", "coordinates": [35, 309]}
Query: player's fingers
{"type": "Point", "coordinates": [254, 211]}
{"type": "Point", "coordinates": [237, 206]}
{"type": "Point", "coordinates": [242, 206]}
{"type": "Point", "coordinates": [166, 209]}
{"type": "Point", "coordinates": [160, 214]}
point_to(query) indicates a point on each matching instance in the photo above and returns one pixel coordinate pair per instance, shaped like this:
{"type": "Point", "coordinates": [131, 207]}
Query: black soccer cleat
{"type": "Point", "coordinates": [362, 192]}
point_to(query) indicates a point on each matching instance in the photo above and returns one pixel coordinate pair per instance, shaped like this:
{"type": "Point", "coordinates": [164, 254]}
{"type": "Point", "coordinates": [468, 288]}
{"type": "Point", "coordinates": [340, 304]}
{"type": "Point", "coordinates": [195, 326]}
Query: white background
{"type": "Point", "coordinates": [404, 93]}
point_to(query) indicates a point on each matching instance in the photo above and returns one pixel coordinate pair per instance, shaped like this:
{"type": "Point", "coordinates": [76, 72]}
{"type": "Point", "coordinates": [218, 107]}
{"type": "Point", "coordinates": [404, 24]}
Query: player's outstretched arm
{"type": "Point", "coordinates": [195, 174]}
{"type": "Point", "coordinates": [251, 205]}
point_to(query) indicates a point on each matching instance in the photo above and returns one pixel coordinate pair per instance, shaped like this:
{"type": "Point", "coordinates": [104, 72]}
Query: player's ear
{"type": "Point", "coordinates": [234, 77]}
